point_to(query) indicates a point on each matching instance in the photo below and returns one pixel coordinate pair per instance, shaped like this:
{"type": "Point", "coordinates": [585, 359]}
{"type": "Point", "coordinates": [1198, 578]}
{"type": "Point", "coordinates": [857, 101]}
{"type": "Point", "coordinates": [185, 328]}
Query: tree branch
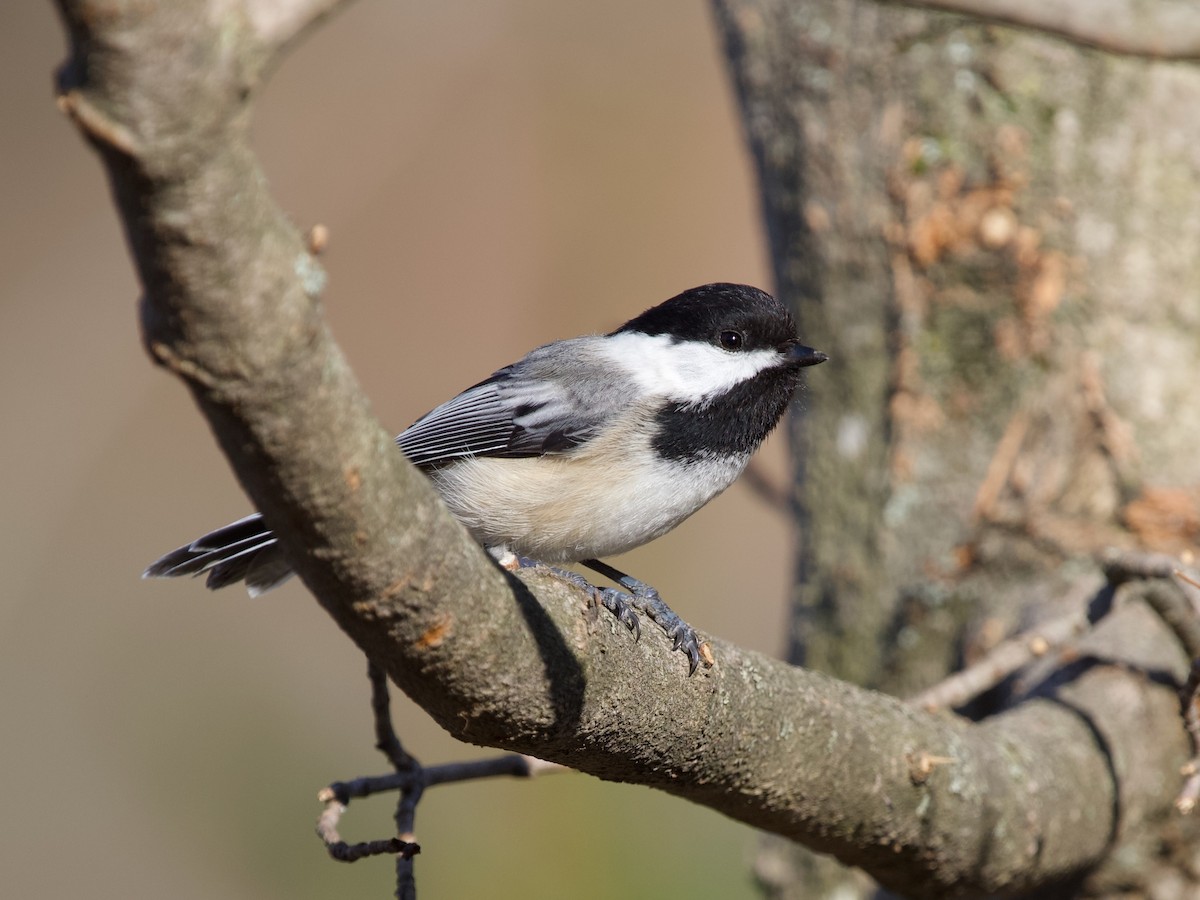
{"type": "Point", "coordinates": [1159, 29]}
{"type": "Point", "coordinates": [410, 779]}
{"type": "Point", "coordinates": [280, 23]}
{"type": "Point", "coordinates": [231, 307]}
{"type": "Point", "coordinates": [1012, 655]}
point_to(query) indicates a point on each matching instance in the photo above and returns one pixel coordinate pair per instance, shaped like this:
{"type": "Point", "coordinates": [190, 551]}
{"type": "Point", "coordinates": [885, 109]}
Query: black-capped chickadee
{"type": "Point", "coordinates": [586, 447]}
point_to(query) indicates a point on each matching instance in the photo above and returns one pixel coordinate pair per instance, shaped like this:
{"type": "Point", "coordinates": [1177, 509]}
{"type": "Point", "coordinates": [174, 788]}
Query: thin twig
{"type": "Point", "coordinates": [1168, 600]}
{"type": "Point", "coordinates": [1189, 699]}
{"type": "Point", "coordinates": [1000, 466]}
{"type": "Point", "coordinates": [411, 779]}
{"type": "Point", "coordinates": [1013, 654]}
{"type": "Point", "coordinates": [386, 740]}
{"type": "Point", "coordinates": [515, 765]}
{"type": "Point", "coordinates": [1120, 567]}
{"type": "Point", "coordinates": [1162, 591]}
{"type": "Point", "coordinates": [327, 825]}
{"type": "Point", "coordinates": [1126, 565]}
{"type": "Point", "coordinates": [410, 772]}
{"type": "Point", "coordinates": [1186, 578]}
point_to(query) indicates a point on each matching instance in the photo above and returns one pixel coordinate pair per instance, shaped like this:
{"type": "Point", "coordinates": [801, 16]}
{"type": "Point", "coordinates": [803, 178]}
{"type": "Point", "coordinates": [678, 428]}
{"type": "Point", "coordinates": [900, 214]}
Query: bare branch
{"type": "Point", "coordinates": [386, 741]}
{"type": "Point", "coordinates": [1008, 657]}
{"type": "Point", "coordinates": [512, 765]}
{"type": "Point", "coordinates": [1189, 701]}
{"type": "Point", "coordinates": [341, 851]}
{"type": "Point", "coordinates": [410, 779]}
{"type": "Point", "coordinates": [1123, 565]}
{"type": "Point", "coordinates": [1160, 576]}
{"type": "Point", "coordinates": [1159, 29]}
{"type": "Point", "coordinates": [1161, 591]}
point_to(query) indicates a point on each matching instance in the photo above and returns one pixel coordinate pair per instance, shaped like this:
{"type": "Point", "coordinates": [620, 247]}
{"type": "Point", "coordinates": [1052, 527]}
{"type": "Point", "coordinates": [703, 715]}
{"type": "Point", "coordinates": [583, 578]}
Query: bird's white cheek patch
{"type": "Point", "coordinates": [685, 371]}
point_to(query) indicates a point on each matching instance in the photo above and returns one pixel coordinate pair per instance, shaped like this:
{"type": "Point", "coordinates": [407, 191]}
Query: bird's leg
{"type": "Point", "coordinates": [645, 599]}
{"type": "Point", "coordinates": [618, 605]}
{"type": "Point", "coordinates": [642, 598]}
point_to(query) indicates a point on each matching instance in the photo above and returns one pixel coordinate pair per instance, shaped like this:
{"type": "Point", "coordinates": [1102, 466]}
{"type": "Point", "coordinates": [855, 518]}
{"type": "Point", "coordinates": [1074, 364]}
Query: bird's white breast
{"type": "Point", "coordinates": [611, 496]}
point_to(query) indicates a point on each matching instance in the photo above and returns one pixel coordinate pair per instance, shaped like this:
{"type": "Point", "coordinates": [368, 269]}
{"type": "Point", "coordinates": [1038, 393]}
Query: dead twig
{"type": "Point", "coordinates": [1186, 578]}
{"type": "Point", "coordinates": [1189, 698]}
{"type": "Point", "coordinates": [1126, 565]}
{"type": "Point", "coordinates": [1000, 466]}
{"type": "Point", "coordinates": [1189, 701]}
{"type": "Point", "coordinates": [1013, 654]}
{"type": "Point", "coordinates": [410, 779]}
{"type": "Point", "coordinates": [338, 849]}
{"type": "Point", "coordinates": [1161, 573]}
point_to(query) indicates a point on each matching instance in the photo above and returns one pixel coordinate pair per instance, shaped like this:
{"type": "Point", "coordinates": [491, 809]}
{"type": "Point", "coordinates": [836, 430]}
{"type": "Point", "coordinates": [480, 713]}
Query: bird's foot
{"type": "Point", "coordinates": [613, 600]}
{"type": "Point", "coordinates": [645, 599]}
{"type": "Point", "coordinates": [620, 605]}
{"type": "Point", "coordinates": [642, 598]}
{"type": "Point", "coordinates": [638, 597]}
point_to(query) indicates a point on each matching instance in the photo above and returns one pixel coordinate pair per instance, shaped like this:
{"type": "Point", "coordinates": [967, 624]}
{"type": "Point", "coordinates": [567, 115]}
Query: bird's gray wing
{"type": "Point", "coordinates": [527, 409]}
{"type": "Point", "coordinates": [475, 422]}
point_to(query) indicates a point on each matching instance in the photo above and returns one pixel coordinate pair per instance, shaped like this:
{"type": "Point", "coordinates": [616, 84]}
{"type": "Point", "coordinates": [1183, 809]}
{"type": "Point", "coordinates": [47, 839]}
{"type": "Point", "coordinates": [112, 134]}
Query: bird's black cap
{"type": "Point", "coordinates": [702, 313]}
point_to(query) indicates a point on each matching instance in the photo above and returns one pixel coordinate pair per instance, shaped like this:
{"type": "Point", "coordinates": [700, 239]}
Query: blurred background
{"type": "Point", "coordinates": [494, 175]}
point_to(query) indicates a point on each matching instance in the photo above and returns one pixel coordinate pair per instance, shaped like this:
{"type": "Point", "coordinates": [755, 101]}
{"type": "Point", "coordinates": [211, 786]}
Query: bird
{"type": "Point", "coordinates": [585, 447]}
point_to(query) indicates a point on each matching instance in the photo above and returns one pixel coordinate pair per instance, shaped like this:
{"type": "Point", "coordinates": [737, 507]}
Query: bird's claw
{"type": "Point", "coordinates": [684, 639]}
{"type": "Point", "coordinates": [645, 599]}
{"type": "Point", "coordinates": [618, 603]}
{"type": "Point", "coordinates": [641, 598]}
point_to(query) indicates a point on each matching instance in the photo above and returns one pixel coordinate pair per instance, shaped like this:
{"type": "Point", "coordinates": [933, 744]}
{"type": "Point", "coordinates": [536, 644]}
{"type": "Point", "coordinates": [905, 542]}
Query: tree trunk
{"type": "Point", "coordinates": [991, 232]}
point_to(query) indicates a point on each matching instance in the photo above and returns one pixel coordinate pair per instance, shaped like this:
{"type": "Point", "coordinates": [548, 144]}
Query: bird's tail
{"type": "Point", "coordinates": [245, 550]}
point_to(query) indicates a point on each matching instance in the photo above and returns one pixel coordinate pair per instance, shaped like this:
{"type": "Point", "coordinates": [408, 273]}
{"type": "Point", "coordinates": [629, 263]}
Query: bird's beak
{"type": "Point", "coordinates": [800, 355]}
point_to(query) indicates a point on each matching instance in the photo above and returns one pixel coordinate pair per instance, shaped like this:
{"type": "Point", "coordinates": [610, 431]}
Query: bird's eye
{"type": "Point", "coordinates": [732, 340]}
